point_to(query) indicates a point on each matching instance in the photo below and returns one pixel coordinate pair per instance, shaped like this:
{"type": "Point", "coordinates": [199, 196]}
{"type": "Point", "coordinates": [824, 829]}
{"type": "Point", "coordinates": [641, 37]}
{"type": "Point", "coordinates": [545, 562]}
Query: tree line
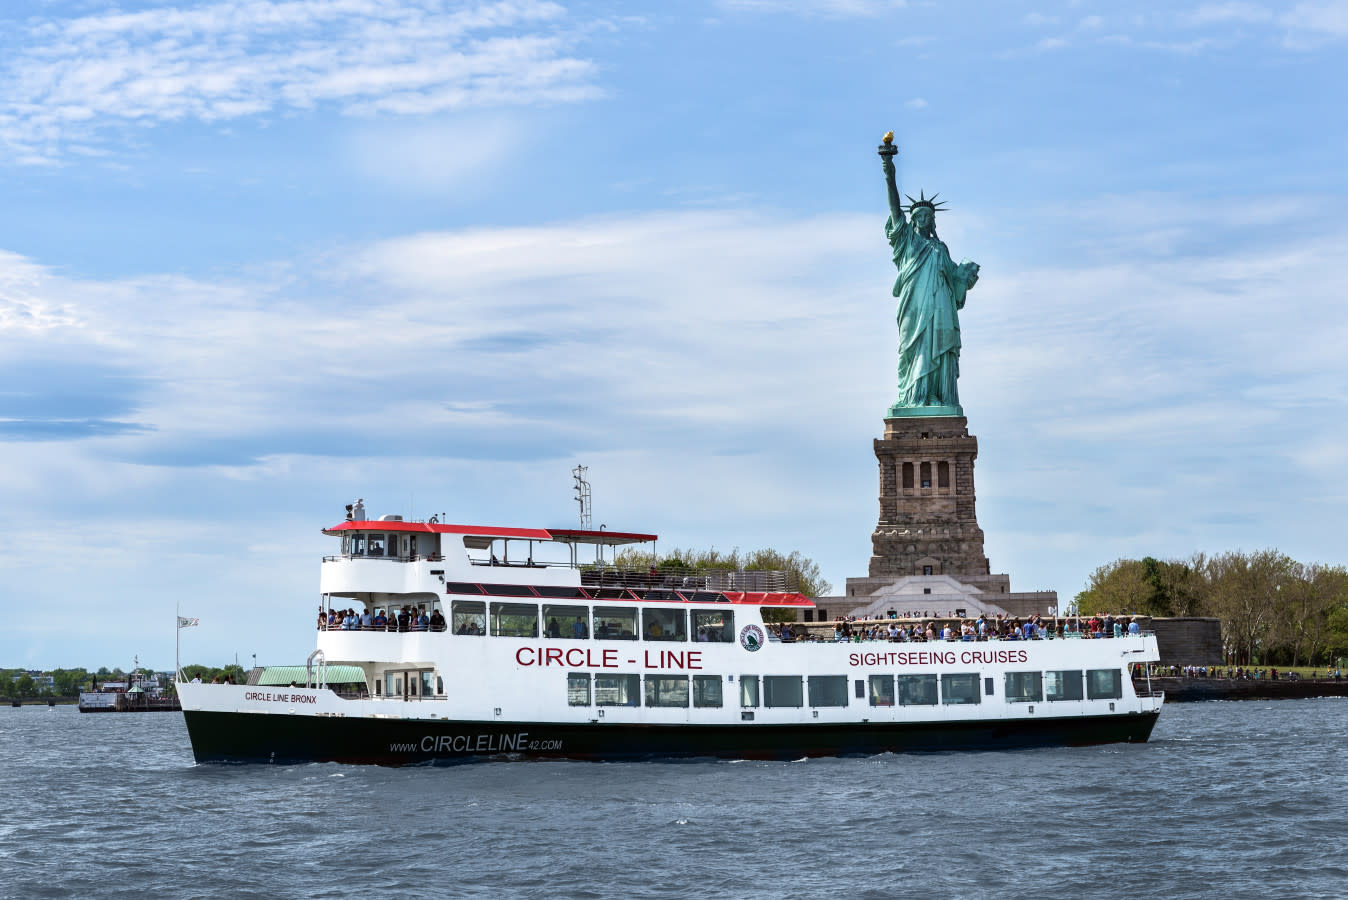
{"type": "Point", "coordinates": [1274, 610]}
{"type": "Point", "coordinates": [19, 684]}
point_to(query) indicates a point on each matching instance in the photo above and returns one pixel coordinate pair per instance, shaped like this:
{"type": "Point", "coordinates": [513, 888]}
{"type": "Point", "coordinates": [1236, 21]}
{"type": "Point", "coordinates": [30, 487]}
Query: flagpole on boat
{"type": "Point", "coordinates": [177, 640]}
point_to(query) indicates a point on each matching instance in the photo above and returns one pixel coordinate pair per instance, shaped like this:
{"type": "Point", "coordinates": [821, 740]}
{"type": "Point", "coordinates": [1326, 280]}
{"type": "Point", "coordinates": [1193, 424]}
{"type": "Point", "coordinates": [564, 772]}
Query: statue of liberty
{"type": "Point", "coordinates": [931, 290]}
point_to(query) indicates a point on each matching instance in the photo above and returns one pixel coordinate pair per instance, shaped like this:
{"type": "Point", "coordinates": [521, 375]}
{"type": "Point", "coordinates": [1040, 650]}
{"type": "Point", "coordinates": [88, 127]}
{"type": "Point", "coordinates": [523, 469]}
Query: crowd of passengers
{"type": "Point", "coordinates": [997, 628]}
{"type": "Point", "coordinates": [409, 618]}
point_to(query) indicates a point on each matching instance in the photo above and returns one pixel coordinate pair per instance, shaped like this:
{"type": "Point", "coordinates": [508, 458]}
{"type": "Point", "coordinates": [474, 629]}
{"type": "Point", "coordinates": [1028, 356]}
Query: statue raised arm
{"type": "Point", "coordinates": [931, 290]}
{"type": "Point", "coordinates": [887, 153]}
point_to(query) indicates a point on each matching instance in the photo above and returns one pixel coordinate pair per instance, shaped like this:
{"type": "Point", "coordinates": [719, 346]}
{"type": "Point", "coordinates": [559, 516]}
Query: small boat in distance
{"type": "Point", "coordinates": [140, 691]}
{"type": "Point", "coordinates": [490, 642]}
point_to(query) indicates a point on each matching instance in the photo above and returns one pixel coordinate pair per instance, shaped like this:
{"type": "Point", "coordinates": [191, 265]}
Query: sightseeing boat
{"type": "Point", "coordinates": [512, 643]}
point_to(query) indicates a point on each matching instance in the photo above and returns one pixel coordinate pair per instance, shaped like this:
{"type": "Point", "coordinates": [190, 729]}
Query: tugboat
{"type": "Point", "coordinates": [493, 642]}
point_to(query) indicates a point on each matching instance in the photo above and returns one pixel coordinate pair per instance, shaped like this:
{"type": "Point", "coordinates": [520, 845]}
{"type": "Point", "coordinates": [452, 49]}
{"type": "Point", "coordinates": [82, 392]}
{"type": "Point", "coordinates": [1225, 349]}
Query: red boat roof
{"type": "Point", "coordinates": [565, 535]}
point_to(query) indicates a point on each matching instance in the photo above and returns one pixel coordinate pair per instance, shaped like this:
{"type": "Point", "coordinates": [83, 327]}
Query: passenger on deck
{"type": "Point", "coordinates": [322, 621]}
{"type": "Point", "coordinates": [380, 620]}
{"type": "Point", "coordinates": [578, 629]}
{"type": "Point", "coordinates": [554, 630]}
{"type": "Point", "coordinates": [404, 619]}
{"type": "Point", "coordinates": [366, 620]}
{"type": "Point", "coordinates": [437, 621]}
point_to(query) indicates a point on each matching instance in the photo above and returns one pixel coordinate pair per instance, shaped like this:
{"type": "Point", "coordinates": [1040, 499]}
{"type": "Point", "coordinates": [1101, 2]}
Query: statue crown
{"type": "Point", "coordinates": [922, 200]}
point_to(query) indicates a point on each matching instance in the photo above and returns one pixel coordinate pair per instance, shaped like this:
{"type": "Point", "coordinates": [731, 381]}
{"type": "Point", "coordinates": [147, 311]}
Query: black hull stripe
{"type": "Point", "coordinates": [250, 738]}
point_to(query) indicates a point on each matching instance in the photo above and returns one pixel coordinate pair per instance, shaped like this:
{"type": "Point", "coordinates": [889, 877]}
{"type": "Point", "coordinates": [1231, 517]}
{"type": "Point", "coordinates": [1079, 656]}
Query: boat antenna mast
{"type": "Point", "coordinates": [583, 496]}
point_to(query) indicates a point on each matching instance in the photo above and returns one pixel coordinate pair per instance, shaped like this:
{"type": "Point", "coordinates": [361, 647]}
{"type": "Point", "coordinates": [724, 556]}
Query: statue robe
{"type": "Point", "coordinates": [931, 291]}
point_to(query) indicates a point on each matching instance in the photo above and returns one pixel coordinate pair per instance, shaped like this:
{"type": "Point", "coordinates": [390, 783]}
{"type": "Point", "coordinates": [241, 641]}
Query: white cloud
{"type": "Point", "coordinates": [916, 103]}
{"type": "Point", "coordinates": [825, 8]}
{"type": "Point", "coordinates": [1218, 13]}
{"type": "Point", "coordinates": [75, 80]}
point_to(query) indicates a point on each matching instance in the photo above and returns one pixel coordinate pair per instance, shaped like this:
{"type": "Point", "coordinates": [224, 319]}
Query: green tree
{"type": "Point", "coordinates": [1306, 600]}
{"type": "Point", "coordinates": [69, 681]}
{"type": "Point", "coordinates": [1245, 594]}
{"type": "Point", "coordinates": [1120, 586]}
{"type": "Point", "coordinates": [25, 686]}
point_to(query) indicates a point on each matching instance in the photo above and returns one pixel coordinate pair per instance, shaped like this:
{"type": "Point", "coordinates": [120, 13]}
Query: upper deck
{"type": "Point", "coordinates": [390, 556]}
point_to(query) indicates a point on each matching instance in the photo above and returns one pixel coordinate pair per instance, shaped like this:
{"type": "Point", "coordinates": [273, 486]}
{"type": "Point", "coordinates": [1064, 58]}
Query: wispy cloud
{"type": "Point", "coordinates": [74, 81]}
{"type": "Point", "coordinates": [824, 8]}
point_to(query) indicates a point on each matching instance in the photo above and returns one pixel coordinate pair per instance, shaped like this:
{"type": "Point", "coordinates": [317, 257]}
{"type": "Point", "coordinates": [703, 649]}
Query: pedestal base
{"type": "Point", "coordinates": [921, 412]}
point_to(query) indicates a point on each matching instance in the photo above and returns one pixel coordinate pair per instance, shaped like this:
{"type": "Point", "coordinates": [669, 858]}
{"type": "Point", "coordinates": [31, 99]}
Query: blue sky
{"type": "Point", "coordinates": [261, 258]}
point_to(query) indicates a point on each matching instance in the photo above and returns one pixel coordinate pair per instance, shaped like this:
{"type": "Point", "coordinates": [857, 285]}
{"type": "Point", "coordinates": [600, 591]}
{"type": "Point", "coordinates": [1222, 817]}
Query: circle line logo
{"type": "Point", "coordinates": [751, 637]}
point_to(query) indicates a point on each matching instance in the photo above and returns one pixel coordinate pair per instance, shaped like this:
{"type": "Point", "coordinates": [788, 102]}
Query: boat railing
{"type": "Point", "coordinates": [432, 557]}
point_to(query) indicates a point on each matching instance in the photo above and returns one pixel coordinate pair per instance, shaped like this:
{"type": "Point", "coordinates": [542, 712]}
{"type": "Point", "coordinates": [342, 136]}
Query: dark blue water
{"type": "Point", "coordinates": [1229, 800]}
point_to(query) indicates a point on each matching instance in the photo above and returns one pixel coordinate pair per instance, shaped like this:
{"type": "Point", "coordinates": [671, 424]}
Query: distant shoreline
{"type": "Point", "coordinates": [1190, 690]}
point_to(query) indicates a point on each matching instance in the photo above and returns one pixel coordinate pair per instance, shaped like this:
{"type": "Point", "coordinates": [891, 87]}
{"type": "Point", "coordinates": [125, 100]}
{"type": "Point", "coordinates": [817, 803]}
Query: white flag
{"type": "Point", "coordinates": [184, 622]}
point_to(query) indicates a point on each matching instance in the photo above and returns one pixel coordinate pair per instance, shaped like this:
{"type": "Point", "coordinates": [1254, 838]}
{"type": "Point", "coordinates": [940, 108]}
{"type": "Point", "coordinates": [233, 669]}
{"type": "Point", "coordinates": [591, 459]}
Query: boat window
{"type": "Point", "coordinates": [567, 622]}
{"type": "Point", "coordinates": [707, 690]}
{"type": "Point", "coordinates": [578, 689]}
{"type": "Point", "coordinates": [357, 545]}
{"type": "Point", "coordinates": [828, 690]}
{"type": "Point", "coordinates": [882, 690]}
{"type": "Point", "coordinates": [514, 620]}
{"type": "Point", "coordinates": [1064, 685]}
{"type": "Point", "coordinates": [749, 691]}
{"type": "Point", "coordinates": [783, 690]}
{"type": "Point", "coordinates": [462, 587]}
{"type": "Point", "coordinates": [617, 690]}
{"type": "Point", "coordinates": [917, 690]}
{"type": "Point", "coordinates": [960, 688]}
{"type": "Point", "coordinates": [428, 684]}
{"type": "Point", "coordinates": [560, 593]}
{"type": "Point", "coordinates": [469, 617]}
{"type": "Point", "coordinates": [508, 590]}
{"type": "Point", "coordinates": [609, 594]}
{"type": "Point", "coordinates": [1104, 684]}
{"type": "Point", "coordinates": [1024, 687]}
{"type": "Point", "coordinates": [667, 690]}
{"type": "Point", "coordinates": [615, 623]}
{"type": "Point", "coordinates": [714, 625]}
{"type": "Point", "coordinates": [661, 596]}
{"type": "Point", "coordinates": [375, 545]}
{"type": "Point", "coordinates": [664, 624]}
{"type": "Point", "coordinates": [707, 597]}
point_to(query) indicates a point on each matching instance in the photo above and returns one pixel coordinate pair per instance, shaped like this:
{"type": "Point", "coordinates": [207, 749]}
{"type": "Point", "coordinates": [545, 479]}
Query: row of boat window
{"type": "Point", "coordinates": [558, 592]}
{"type": "Point", "coordinates": [796, 691]}
{"type": "Point", "coordinates": [604, 623]}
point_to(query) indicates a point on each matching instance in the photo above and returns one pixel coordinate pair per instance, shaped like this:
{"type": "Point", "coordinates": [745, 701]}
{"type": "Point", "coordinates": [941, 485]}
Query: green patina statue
{"type": "Point", "coordinates": [931, 290]}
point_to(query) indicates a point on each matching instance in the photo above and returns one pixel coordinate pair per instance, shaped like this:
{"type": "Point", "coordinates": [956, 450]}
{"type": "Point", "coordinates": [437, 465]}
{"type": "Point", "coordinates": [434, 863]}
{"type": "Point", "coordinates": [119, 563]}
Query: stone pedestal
{"type": "Point", "coordinates": [927, 549]}
{"type": "Point", "coordinates": [927, 522]}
